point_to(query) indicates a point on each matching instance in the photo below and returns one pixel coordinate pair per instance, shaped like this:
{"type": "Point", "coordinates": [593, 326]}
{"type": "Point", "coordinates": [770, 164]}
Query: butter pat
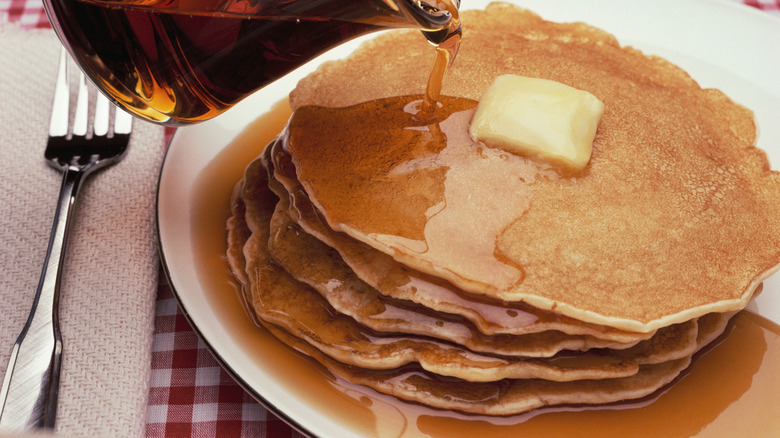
{"type": "Point", "coordinates": [538, 118]}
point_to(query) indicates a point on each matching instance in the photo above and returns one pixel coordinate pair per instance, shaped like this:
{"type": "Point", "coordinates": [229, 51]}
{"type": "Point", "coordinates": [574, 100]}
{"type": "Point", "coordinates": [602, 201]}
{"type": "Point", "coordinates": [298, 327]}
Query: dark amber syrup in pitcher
{"type": "Point", "coordinates": [170, 65]}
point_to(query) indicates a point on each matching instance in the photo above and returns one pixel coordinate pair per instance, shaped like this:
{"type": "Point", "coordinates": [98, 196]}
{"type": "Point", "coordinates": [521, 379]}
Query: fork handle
{"type": "Point", "coordinates": [31, 383]}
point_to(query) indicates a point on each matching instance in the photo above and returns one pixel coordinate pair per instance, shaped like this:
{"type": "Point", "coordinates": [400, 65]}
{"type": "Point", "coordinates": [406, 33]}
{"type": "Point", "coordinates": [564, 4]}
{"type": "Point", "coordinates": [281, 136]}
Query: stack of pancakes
{"type": "Point", "coordinates": [424, 265]}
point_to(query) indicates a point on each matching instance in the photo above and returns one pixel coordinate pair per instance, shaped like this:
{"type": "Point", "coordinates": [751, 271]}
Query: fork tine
{"type": "Point", "coordinates": [58, 126]}
{"type": "Point", "coordinates": [82, 107]}
{"type": "Point", "coordinates": [123, 122]}
{"type": "Point", "coordinates": [101, 115]}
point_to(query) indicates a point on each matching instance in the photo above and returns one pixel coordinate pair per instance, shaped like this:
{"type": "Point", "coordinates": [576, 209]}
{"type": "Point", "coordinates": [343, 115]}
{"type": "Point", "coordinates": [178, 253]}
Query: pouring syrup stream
{"type": "Point", "coordinates": [447, 42]}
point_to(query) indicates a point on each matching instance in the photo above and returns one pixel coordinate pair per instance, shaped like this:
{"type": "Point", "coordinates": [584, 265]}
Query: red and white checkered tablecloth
{"type": "Point", "coordinates": [772, 6]}
{"type": "Point", "coordinates": [28, 13]}
{"type": "Point", "coordinates": [190, 394]}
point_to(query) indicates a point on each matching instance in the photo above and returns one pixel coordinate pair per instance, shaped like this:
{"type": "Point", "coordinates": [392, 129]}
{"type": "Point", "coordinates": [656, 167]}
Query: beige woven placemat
{"type": "Point", "coordinates": [111, 267]}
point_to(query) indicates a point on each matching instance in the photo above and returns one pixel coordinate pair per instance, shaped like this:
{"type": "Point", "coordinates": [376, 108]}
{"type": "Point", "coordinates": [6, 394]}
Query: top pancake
{"type": "Point", "coordinates": [675, 216]}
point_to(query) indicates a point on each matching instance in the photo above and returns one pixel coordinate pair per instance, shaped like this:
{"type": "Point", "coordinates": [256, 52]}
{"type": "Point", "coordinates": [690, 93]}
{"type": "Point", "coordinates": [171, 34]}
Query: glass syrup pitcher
{"type": "Point", "coordinates": [182, 61]}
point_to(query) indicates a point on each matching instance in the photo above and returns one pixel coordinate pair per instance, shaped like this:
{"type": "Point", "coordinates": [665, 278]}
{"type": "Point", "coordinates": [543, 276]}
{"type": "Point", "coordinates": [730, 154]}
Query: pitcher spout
{"type": "Point", "coordinates": [420, 14]}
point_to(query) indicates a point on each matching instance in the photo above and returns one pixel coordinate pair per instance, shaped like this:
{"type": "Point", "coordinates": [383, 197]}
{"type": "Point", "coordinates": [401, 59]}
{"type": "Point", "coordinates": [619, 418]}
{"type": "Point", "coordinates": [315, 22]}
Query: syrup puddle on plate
{"type": "Point", "coordinates": [732, 389]}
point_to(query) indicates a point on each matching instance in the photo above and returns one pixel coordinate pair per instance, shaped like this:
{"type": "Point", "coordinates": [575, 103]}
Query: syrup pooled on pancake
{"type": "Point", "coordinates": [416, 184]}
{"type": "Point", "coordinates": [396, 281]}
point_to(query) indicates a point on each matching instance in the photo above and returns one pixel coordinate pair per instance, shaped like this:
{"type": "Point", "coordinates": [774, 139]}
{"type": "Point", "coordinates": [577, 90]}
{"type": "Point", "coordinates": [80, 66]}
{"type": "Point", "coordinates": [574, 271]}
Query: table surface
{"type": "Point", "coordinates": [190, 394]}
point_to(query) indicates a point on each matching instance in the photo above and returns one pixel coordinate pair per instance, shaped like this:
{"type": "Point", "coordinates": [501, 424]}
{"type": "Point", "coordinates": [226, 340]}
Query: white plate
{"type": "Point", "coordinates": [722, 44]}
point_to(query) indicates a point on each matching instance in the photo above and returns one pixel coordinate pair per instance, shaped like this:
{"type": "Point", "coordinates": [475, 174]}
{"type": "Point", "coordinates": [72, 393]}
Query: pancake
{"type": "Point", "coordinates": [509, 397]}
{"type": "Point", "coordinates": [325, 272]}
{"type": "Point", "coordinates": [675, 216]}
{"type": "Point", "coordinates": [279, 300]}
{"type": "Point", "coordinates": [395, 280]}
{"type": "Point", "coordinates": [311, 262]}
{"type": "Point", "coordinates": [506, 397]}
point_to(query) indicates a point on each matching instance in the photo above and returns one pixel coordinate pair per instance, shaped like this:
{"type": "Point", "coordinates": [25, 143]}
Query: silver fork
{"type": "Point", "coordinates": [28, 398]}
